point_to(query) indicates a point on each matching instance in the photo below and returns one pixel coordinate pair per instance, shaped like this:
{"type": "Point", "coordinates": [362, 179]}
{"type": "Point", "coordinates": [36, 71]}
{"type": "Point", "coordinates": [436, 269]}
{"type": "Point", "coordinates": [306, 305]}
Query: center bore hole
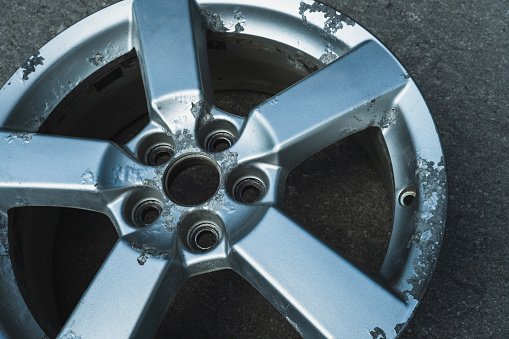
{"type": "Point", "coordinates": [192, 181]}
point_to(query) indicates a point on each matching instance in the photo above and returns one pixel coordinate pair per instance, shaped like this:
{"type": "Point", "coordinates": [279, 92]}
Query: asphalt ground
{"type": "Point", "coordinates": [457, 52]}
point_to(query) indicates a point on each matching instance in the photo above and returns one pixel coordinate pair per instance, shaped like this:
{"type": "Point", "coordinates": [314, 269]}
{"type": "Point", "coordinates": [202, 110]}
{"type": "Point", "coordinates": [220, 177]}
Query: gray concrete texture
{"type": "Point", "coordinates": [457, 52]}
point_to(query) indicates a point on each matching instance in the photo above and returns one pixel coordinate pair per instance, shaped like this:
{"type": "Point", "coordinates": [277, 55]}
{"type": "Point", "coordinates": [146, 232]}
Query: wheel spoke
{"type": "Point", "coordinates": [345, 97]}
{"type": "Point", "coordinates": [316, 289]}
{"type": "Point", "coordinates": [42, 170]}
{"type": "Point", "coordinates": [130, 293]}
{"type": "Point", "coordinates": [171, 47]}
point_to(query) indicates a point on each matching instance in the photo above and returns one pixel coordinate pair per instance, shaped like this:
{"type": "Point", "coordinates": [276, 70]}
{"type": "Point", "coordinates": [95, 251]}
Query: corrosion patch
{"type": "Point", "coordinates": [29, 65]}
{"type": "Point", "coordinates": [334, 20]}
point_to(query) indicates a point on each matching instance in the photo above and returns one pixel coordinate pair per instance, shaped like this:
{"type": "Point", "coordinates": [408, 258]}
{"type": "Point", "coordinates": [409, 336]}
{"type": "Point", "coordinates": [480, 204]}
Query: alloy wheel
{"type": "Point", "coordinates": [192, 188]}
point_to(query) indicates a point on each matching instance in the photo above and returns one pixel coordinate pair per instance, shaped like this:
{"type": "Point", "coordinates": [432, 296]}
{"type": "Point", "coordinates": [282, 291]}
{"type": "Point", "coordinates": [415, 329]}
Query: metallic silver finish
{"type": "Point", "coordinates": [361, 85]}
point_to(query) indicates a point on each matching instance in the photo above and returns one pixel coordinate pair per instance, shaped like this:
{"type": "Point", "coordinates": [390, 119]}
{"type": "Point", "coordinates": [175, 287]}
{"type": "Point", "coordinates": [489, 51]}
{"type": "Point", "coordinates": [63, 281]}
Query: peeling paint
{"type": "Point", "coordinates": [70, 335]}
{"type": "Point", "coordinates": [378, 333]}
{"type": "Point", "coordinates": [146, 251]}
{"type": "Point", "coordinates": [25, 137]}
{"type": "Point", "coordinates": [87, 177]}
{"type": "Point", "coordinates": [185, 141]}
{"type": "Point", "coordinates": [399, 327]}
{"type": "Point", "coordinates": [20, 202]}
{"type": "Point", "coordinates": [38, 122]}
{"type": "Point", "coordinates": [239, 28]}
{"type": "Point", "coordinates": [169, 220]}
{"type": "Point", "coordinates": [430, 222]}
{"type": "Point", "coordinates": [4, 240]}
{"type": "Point", "coordinates": [142, 259]}
{"type": "Point", "coordinates": [295, 325]}
{"type": "Point", "coordinates": [212, 21]}
{"type": "Point", "coordinates": [202, 112]}
{"type": "Point", "coordinates": [328, 57]}
{"type": "Point", "coordinates": [274, 100]}
{"type": "Point", "coordinates": [334, 20]}
{"type": "Point", "coordinates": [227, 160]}
{"type": "Point", "coordinates": [299, 62]}
{"type": "Point", "coordinates": [389, 118]}
{"type": "Point", "coordinates": [97, 59]}
{"type": "Point", "coordinates": [237, 14]}
{"type": "Point", "coordinates": [220, 203]}
{"type": "Point", "coordinates": [29, 65]}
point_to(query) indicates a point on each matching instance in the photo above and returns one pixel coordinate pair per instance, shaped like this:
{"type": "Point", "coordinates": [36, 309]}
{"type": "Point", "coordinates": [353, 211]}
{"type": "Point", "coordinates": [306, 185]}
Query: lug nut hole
{"type": "Point", "coordinates": [220, 141]}
{"type": "Point", "coordinates": [160, 155]}
{"type": "Point", "coordinates": [249, 190]}
{"type": "Point", "coordinates": [407, 197]}
{"type": "Point", "coordinates": [204, 237]}
{"type": "Point", "coordinates": [147, 213]}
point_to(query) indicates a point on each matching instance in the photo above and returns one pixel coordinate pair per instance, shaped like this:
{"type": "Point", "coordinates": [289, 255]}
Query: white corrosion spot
{"type": "Point", "coordinates": [334, 20]}
{"type": "Point", "coordinates": [25, 137]}
{"type": "Point", "coordinates": [388, 119]}
{"type": "Point", "coordinates": [88, 178]}
{"type": "Point", "coordinates": [328, 56]}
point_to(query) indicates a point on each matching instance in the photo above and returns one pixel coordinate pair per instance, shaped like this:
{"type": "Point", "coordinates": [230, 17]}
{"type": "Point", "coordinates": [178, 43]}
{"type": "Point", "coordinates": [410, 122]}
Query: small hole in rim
{"type": "Point", "coordinates": [407, 197]}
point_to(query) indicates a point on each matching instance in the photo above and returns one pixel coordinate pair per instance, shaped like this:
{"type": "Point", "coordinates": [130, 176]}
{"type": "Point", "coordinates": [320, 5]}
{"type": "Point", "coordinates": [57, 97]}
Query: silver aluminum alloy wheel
{"type": "Point", "coordinates": [164, 238]}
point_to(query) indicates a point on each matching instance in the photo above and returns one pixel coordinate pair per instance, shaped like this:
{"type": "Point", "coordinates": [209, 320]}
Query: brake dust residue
{"type": "Point", "coordinates": [29, 65]}
{"type": "Point", "coordinates": [334, 20]}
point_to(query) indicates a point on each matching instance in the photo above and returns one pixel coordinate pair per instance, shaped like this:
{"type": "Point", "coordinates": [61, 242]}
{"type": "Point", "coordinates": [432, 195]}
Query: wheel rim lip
{"type": "Point", "coordinates": [114, 24]}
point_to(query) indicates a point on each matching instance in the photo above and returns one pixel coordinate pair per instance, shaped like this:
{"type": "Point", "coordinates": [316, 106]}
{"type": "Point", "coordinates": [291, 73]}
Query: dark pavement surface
{"type": "Point", "coordinates": [458, 53]}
